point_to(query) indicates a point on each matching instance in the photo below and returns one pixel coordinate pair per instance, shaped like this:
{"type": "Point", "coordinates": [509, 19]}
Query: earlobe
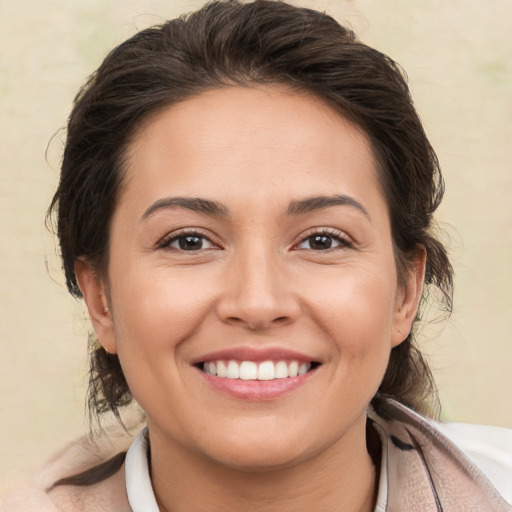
{"type": "Point", "coordinates": [409, 296]}
{"type": "Point", "coordinates": [95, 296]}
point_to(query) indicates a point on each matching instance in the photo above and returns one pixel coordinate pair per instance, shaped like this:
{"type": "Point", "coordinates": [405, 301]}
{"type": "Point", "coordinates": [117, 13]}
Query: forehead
{"type": "Point", "coordinates": [239, 141]}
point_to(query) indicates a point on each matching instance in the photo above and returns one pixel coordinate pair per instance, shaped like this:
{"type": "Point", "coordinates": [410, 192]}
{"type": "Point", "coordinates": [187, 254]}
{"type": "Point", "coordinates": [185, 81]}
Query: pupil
{"type": "Point", "coordinates": [321, 242]}
{"type": "Point", "coordinates": [189, 243]}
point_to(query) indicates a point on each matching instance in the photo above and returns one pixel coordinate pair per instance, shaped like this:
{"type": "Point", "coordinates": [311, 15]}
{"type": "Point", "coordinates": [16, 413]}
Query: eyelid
{"type": "Point", "coordinates": [167, 239]}
{"type": "Point", "coordinates": [343, 238]}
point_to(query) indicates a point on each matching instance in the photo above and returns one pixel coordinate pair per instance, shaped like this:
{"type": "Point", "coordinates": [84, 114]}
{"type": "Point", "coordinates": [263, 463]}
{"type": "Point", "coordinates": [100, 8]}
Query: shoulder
{"type": "Point", "coordinates": [106, 496]}
{"type": "Point", "coordinates": [109, 495]}
{"type": "Point", "coordinates": [488, 447]}
{"type": "Point", "coordinates": [27, 498]}
{"type": "Point", "coordinates": [431, 463]}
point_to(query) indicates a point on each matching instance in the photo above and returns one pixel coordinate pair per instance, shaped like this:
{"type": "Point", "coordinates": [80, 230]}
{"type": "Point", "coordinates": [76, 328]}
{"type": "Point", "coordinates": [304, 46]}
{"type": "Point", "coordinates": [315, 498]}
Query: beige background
{"type": "Point", "coordinates": [458, 57]}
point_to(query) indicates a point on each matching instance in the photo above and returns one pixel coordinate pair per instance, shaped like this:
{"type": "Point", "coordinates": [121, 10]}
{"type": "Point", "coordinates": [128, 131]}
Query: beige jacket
{"type": "Point", "coordinates": [109, 495]}
{"type": "Point", "coordinates": [425, 473]}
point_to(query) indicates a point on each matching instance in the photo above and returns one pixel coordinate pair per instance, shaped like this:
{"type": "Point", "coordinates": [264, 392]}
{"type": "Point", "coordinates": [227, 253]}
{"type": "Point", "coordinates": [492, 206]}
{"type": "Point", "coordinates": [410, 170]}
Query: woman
{"type": "Point", "coordinates": [245, 205]}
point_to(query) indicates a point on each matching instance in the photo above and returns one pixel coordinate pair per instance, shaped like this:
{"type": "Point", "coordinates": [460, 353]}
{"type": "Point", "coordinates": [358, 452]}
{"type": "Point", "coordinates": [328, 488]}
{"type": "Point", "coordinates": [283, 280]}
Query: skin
{"type": "Point", "coordinates": [256, 282]}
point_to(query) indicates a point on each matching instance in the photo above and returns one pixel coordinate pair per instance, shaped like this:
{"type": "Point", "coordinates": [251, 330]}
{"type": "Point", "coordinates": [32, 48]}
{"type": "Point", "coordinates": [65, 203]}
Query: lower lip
{"type": "Point", "coordinates": [256, 389]}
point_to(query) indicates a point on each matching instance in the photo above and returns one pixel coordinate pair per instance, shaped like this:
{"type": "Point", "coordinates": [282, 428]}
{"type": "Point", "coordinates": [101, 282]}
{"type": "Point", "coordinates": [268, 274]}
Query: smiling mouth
{"type": "Point", "coordinates": [250, 370]}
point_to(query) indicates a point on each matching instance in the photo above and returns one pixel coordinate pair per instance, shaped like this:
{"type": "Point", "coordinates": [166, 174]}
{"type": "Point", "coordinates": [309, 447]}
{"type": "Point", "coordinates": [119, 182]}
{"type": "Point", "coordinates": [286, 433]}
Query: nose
{"type": "Point", "coordinates": [257, 293]}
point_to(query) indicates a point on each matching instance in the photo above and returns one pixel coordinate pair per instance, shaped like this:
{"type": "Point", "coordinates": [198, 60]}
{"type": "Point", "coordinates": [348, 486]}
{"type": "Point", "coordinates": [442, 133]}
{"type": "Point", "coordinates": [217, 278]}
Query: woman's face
{"type": "Point", "coordinates": [252, 238]}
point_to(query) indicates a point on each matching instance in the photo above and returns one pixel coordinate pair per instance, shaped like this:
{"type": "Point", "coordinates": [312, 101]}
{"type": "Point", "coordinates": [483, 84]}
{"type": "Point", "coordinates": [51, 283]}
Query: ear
{"type": "Point", "coordinates": [95, 296]}
{"type": "Point", "coordinates": [409, 296]}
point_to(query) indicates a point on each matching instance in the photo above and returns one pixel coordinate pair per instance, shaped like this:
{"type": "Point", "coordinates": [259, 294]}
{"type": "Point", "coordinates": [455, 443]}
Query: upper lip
{"type": "Point", "coordinates": [254, 354]}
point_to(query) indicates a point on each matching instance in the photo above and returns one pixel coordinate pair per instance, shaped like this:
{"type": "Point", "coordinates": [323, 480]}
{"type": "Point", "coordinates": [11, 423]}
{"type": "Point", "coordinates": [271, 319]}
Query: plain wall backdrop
{"type": "Point", "coordinates": [457, 54]}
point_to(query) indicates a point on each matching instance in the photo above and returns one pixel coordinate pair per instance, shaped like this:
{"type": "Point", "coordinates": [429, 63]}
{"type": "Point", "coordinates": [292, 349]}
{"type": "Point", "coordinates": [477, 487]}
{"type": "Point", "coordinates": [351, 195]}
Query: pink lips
{"type": "Point", "coordinates": [254, 390]}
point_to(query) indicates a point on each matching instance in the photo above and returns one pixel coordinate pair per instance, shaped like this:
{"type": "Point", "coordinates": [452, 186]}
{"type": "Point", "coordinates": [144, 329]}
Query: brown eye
{"type": "Point", "coordinates": [320, 242]}
{"type": "Point", "coordinates": [323, 242]}
{"type": "Point", "coordinates": [188, 242]}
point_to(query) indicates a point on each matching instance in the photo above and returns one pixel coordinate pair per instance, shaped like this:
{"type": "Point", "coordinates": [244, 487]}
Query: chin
{"type": "Point", "coordinates": [260, 451]}
{"type": "Point", "coordinates": [259, 461]}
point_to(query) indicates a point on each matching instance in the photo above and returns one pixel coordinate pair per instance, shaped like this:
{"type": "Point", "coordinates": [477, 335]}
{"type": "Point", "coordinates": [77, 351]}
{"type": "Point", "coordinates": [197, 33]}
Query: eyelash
{"type": "Point", "coordinates": [166, 242]}
{"type": "Point", "coordinates": [331, 234]}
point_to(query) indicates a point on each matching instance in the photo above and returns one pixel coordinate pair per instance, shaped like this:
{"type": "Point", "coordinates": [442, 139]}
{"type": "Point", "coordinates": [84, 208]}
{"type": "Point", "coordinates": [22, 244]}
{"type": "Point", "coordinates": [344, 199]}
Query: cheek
{"type": "Point", "coordinates": [154, 315]}
{"type": "Point", "coordinates": [357, 312]}
{"type": "Point", "coordinates": [357, 306]}
{"type": "Point", "coordinates": [156, 311]}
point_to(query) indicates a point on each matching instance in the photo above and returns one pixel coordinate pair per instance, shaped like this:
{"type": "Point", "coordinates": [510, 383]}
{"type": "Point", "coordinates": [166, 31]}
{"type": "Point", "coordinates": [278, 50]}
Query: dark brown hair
{"type": "Point", "coordinates": [230, 43]}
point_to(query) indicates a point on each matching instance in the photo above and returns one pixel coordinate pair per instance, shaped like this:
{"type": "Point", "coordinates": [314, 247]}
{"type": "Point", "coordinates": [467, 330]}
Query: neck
{"type": "Point", "coordinates": [341, 478]}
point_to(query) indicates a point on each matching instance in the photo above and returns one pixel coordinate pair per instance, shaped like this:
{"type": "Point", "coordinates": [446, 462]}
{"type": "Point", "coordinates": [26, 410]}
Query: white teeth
{"type": "Point", "coordinates": [233, 371]}
{"type": "Point", "coordinates": [249, 370]}
{"type": "Point", "coordinates": [281, 370]}
{"type": "Point", "coordinates": [293, 369]}
{"type": "Point", "coordinates": [222, 371]}
{"type": "Point", "coordinates": [266, 371]}
{"type": "Point", "coordinates": [303, 368]}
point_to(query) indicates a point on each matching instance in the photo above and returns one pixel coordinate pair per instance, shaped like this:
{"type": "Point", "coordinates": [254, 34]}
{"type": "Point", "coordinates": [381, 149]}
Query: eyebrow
{"type": "Point", "coordinates": [216, 209]}
{"type": "Point", "coordinates": [310, 204]}
{"type": "Point", "coordinates": [195, 204]}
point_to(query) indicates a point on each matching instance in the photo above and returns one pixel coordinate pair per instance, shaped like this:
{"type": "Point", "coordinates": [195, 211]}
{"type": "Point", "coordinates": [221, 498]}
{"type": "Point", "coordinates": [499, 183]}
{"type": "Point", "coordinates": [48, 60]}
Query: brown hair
{"type": "Point", "coordinates": [234, 43]}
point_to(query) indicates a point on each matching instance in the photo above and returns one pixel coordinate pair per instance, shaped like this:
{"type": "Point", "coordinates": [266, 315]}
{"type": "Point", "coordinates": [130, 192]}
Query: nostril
{"type": "Point", "coordinates": [258, 324]}
{"type": "Point", "coordinates": [256, 311]}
